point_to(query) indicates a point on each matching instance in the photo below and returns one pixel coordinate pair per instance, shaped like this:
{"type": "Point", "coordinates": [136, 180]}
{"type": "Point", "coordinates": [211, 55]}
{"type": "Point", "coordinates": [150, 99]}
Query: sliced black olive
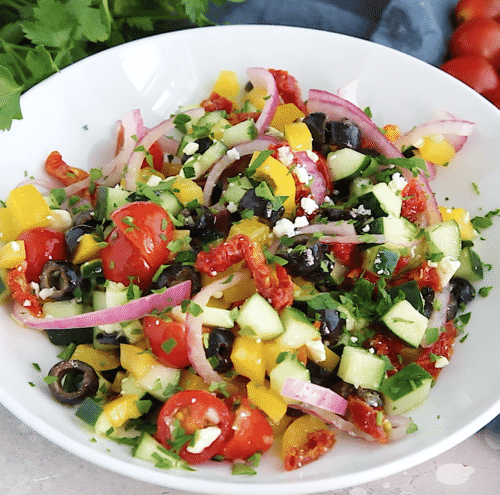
{"type": "Point", "coordinates": [331, 326]}
{"type": "Point", "coordinates": [76, 380]}
{"type": "Point", "coordinates": [261, 207]}
{"type": "Point", "coordinates": [62, 277]}
{"type": "Point", "coordinates": [428, 296]}
{"type": "Point", "coordinates": [73, 235]}
{"type": "Point", "coordinates": [201, 224]}
{"type": "Point", "coordinates": [316, 124]}
{"type": "Point", "coordinates": [220, 345]}
{"type": "Point", "coordinates": [319, 375]}
{"type": "Point", "coordinates": [203, 145]}
{"type": "Point", "coordinates": [463, 290]}
{"type": "Point", "coordinates": [343, 134]}
{"type": "Point", "coordinates": [453, 307]}
{"type": "Point", "coordinates": [85, 217]}
{"type": "Point", "coordinates": [371, 397]}
{"type": "Point", "coordinates": [108, 340]}
{"type": "Point", "coordinates": [175, 274]}
{"type": "Point", "coordinates": [337, 214]}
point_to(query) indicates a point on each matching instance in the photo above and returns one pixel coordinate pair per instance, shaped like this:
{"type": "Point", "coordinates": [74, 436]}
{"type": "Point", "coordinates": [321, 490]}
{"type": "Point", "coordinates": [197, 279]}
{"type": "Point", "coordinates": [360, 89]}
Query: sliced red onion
{"type": "Point", "coordinates": [337, 108]}
{"type": "Point", "coordinates": [342, 228]}
{"type": "Point", "coordinates": [438, 315]}
{"type": "Point", "coordinates": [399, 427]}
{"type": "Point", "coordinates": [262, 143]}
{"type": "Point", "coordinates": [455, 140]}
{"type": "Point", "coordinates": [260, 77]}
{"type": "Point", "coordinates": [133, 128]}
{"type": "Point", "coordinates": [314, 395]}
{"type": "Point", "coordinates": [349, 92]}
{"type": "Point", "coordinates": [169, 145]}
{"type": "Point", "coordinates": [132, 310]}
{"type": "Point", "coordinates": [318, 185]}
{"type": "Point", "coordinates": [195, 331]}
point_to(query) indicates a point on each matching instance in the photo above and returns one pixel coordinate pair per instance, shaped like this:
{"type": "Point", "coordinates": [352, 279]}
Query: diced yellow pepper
{"type": "Point", "coordinates": [136, 360]}
{"type": "Point", "coordinates": [186, 190]}
{"type": "Point", "coordinates": [121, 409]}
{"type": "Point", "coordinates": [253, 228]}
{"type": "Point", "coordinates": [462, 217]}
{"type": "Point", "coordinates": [298, 136]}
{"type": "Point", "coordinates": [257, 97]}
{"type": "Point", "coordinates": [217, 131]}
{"type": "Point", "coordinates": [248, 358]}
{"type": "Point", "coordinates": [227, 84]}
{"type": "Point", "coordinates": [266, 399]}
{"type": "Point", "coordinates": [285, 114]}
{"type": "Point", "coordinates": [28, 208]}
{"type": "Point", "coordinates": [272, 349]}
{"type": "Point", "coordinates": [436, 149]}
{"type": "Point", "coordinates": [99, 359]}
{"type": "Point", "coordinates": [332, 359]}
{"type": "Point", "coordinates": [281, 181]}
{"type": "Point", "coordinates": [87, 249]}
{"type": "Point", "coordinates": [12, 254]}
{"type": "Point", "coordinates": [239, 292]}
{"type": "Point", "coordinates": [8, 229]}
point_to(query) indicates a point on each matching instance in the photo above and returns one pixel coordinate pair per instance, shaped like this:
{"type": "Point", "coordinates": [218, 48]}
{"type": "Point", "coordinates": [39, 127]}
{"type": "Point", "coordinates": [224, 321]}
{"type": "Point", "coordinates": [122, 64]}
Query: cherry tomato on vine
{"type": "Point", "coordinates": [42, 245]}
{"type": "Point", "coordinates": [193, 410]}
{"type": "Point", "coordinates": [168, 341]}
{"type": "Point", "coordinates": [470, 9]}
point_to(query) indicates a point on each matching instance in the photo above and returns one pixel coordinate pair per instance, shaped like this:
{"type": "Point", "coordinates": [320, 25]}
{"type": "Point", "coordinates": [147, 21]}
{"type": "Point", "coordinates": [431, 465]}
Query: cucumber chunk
{"type": "Point", "coordinates": [258, 319]}
{"type": "Point", "coordinates": [381, 260]}
{"type": "Point", "coordinates": [471, 267]}
{"type": "Point", "coordinates": [298, 329]}
{"type": "Point", "coordinates": [289, 367]}
{"type": "Point", "coordinates": [151, 450]}
{"type": "Point", "coordinates": [108, 199]}
{"type": "Point", "coordinates": [243, 132]}
{"type": "Point", "coordinates": [197, 165]}
{"type": "Point", "coordinates": [346, 163]}
{"type": "Point", "coordinates": [361, 368]}
{"type": "Point", "coordinates": [444, 239]}
{"type": "Point", "coordinates": [406, 322]}
{"type": "Point", "coordinates": [381, 201]}
{"type": "Point", "coordinates": [396, 230]}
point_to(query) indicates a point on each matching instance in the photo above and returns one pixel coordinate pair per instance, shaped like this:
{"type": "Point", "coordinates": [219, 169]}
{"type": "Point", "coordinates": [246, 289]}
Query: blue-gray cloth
{"type": "Point", "coordinates": [418, 28]}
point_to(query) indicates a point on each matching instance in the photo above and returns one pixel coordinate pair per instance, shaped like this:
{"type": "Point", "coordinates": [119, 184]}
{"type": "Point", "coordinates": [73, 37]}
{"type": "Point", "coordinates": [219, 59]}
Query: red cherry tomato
{"type": "Point", "coordinates": [288, 88]}
{"type": "Point", "coordinates": [168, 341]}
{"type": "Point", "coordinates": [157, 155]}
{"type": "Point", "coordinates": [122, 263]}
{"type": "Point", "coordinates": [193, 410]}
{"type": "Point", "coordinates": [56, 167]}
{"type": "Point", "coordinates": [474, 71]}
{"type": "Point", "coordinates": [470, 9]}
{"type": "Point", "coordinates": [148, 228]}
{"type": "Point", "coordinates": [42, 245]}
{"type": "Point", "coordinates": [479, 36]}
{"type": "Point", "coordinates": [251, 431]}
{"type": "Point", "coordinates": [216, 102]}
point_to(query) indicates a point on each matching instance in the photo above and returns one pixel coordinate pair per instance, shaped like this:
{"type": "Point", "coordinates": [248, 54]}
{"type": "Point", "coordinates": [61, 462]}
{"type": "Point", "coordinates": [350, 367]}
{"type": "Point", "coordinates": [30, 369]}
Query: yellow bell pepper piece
{"type": "Point", "coordinates": [253, 228]}
{"type": "Point", "coordinates": [257, 97]}
{"type": "Point", "coordinates": [227, 84]}
{"type": "Point", "coordinates": [99, 359]}
{"type": "Point", "coordinates": [186, 190]}
{"type": "Point", "coordinates": [8, 229]}
{"type": "Point", "coordinates": [331, 361]}
{"type": "Point", "coordinates": [279, 178]}
{"type": "Point", "coordinates": [28, 208]}
{"type": "Point", "coordinates": [191, 381]}
{"type": "Point", "coordinates": [248, 358]}
{"type": "Point", "coordinates": [217, 131]}
{"type": "Point", "coordinates": [121, 409]}
{"type": "Point", "coordinates": [286, 114]}
{"type": "Point", "coordinates": [298, 136]}
{"type": "Point", "coordinates": [12, 254]}
{"type": "Point", "coordinates": [462, 217]}
{"type": "Point", "coordinates": [87, 249]}
{"type": "Point", "coordinates": [436, 149]}
{"type": "Point", "coordinates": [136, 360]}
{"type": "Point", "coordinates": [266, 399]}
{"type": "Point", "coordinates": [272, 349]}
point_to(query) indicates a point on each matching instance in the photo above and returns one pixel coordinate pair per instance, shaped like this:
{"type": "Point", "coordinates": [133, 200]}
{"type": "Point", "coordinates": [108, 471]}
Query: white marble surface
{"type": "Point", "coordinates": [31, 465]}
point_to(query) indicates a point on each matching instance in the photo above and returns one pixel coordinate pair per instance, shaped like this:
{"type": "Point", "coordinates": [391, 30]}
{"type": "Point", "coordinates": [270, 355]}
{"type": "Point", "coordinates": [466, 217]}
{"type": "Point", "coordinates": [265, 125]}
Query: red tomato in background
{"type": "Point", "coordinates": [474, 71]}
{"type": "Point", "coordinates": [157, 154]}
{"type": "Point", "coordinates": [216, 102]}
{"type": "Point", "coordinates": [166, 336]}
{"type": "Point", "coordinates": [147, 226]}
{"type": "Point", "coordinates": [42, 245]}
{"type": "Point", "coordinates": [251, 431]}
{"type": "Point", "coordinates": [122, 263]}
{"type": "Point", "coordinates": [469, 9]}
{"type": "Point", "coordinates": [194, 409]}
{"type": "Point", "coordinates": [479, 36]}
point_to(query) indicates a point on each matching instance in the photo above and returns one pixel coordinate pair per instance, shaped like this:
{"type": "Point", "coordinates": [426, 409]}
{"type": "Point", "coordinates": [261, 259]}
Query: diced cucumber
{"type": "Point", "coordinates": [92, 270]}
{"type": "Point", "coordinates": [381, 260]}
{"type": "Point", "coordinates": [361, 368]}
{"type": "Point", "coordinates": [444, 238]}
{"type": "Point", "coordinates": [381, 201]}
{"type": "Point", "coordinates": [151, 450]}
{"type": "Point", "coordinates": [406, 389]}
{"type": "Point", "coordinates": [346, 163]}
{"type": "Point", "coordinates": [243, 132]}
{"type": "Point", "coordinates": [236, 189]}
{"type": "Point", "coordinates": [360, 186]}
{"type": "Point", "coordinates": [169, 202]}
{"type": "Point", "coordinates": [217, 317]}
{"type": "Point", "coordinates": [66, 336]}
{"type": "Point", "coordinates": [159, 381]}
{"type": "Point", "coordinates": [471, 267]}
{"type": "Point", "coordinates": [289, 367]}
{"type": "Point", "coordinates": [129, 385]}
{"type": "Point", "coordinates": [62, 309]}
{"type": "Point", "coordinates": [258, 319]}
{"type": "Point", "coordinates": [411, 293]}
{"type": "Point", "coordinates": [210, 119]}
{"type": "Point", "coordinates": [396, 230]}
{"type": "Point", "coordinates": [298, 329]}
{"type": "Point", "coordinates": [89, 411]}
{"type": "Point", "coordinates": [112, 335]}
{"type": "Point", "coordinates": [115, 294]}
{"type": "Point", "coordinates": [108, 199]}
{"type": "Point", "coordinates": [197, 165]}
{"type": "Point", "coordinates": [406, 322]}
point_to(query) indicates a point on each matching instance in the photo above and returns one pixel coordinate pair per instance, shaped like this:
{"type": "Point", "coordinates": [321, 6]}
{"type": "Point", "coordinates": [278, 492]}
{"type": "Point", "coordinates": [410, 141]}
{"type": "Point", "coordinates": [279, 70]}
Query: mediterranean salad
{"type": "Point", "coordinates": [262, 268]}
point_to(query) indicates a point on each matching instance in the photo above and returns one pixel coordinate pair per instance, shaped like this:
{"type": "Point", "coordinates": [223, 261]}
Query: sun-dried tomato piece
{"type": "Point", "coordinates": [216, 102]}
{"type": "Point", "coordinates": [367, 418]}
{"type": "Point", "coordinates": [56, 167]}
{"type": "Point", "coordinates": [288, 88]}
{"type": "Point", "coordinates": [318, 443]}
{"type": "Point", "coordinates": [414, 201]}
{"type": "Point", "coordinates": [21, 291]}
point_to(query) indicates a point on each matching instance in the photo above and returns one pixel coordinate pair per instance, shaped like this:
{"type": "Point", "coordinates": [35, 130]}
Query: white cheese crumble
{"type": "Point", "coordinates": [361, 210]}
{"type": "Point", "coordinates": [233, 154]}
{"type": "Point", "coordinates": [191, 148]}
{"type": "Point", "coordinates": [397, 183]}
{"type": "Point", "coordinates": [301, 222]}
{"type": "Point", "coordinates": [313, 156]}
{"type": "Point", "coordinates": [232, 207]}
{"type": "Point", "coordinates": [204, 438]}
{"type": "Point", "coordinates": [441, 362]}
{"type": "Point", "coordinates": [302, 174]}
{"type": "Point", "coordinates": [284, 227]}
{"type": "Point", "coordinates": [309, 205]}
{"type": "Point", "coordinates": [285, 156]}
{"type": "Point", "coordinates": [366, 228]}
{"type": "Point", "coordinates": [46, 293]}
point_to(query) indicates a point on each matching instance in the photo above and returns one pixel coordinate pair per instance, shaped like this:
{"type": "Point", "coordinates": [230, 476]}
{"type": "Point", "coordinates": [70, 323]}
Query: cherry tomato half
{"type": "Point", "coordinates": [194, 410]}
{"type": "Point", "coordinates": [56, 167]}
{"type": "Point", "coordinates": [42, 245]}
{"type": "Point", "coordinates": [156, 153]}
{"type": "Point", "coordinates": [474, 71]}
{"type": "Point", "coordinates": [479, 36]}
{"type": "Point", "coordinates": [168, 341]}
{"type": "Point", "coordinates": [470, 9]}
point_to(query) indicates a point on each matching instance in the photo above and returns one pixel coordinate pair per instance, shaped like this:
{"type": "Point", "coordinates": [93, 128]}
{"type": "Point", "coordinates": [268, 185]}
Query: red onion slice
{"type": "Point", "coordinates": [260, 77]}
{"type": "Point", "coordinates": [354, 239]}
{"type": "Point", "coordinates": [349, 92]}
{"type": "Point", "coordinates": [137, 308]}
{"type": "Point", "coordinates": [343, 229]}
{"type": "Point", "coordinates": [318, 185]}
{"type": "Point", "coordinates": [195, 331]}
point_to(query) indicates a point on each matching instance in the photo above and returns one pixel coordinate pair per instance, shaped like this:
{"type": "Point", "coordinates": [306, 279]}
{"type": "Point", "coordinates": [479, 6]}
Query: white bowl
{"type": "Point", "coordinates": [74, 112]}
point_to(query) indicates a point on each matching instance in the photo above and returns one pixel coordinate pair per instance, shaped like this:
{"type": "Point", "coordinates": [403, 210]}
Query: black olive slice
{"type": "Point", "coordinates": [83, 381]}
{"type": "Point", "coordinates": [62, 278]}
